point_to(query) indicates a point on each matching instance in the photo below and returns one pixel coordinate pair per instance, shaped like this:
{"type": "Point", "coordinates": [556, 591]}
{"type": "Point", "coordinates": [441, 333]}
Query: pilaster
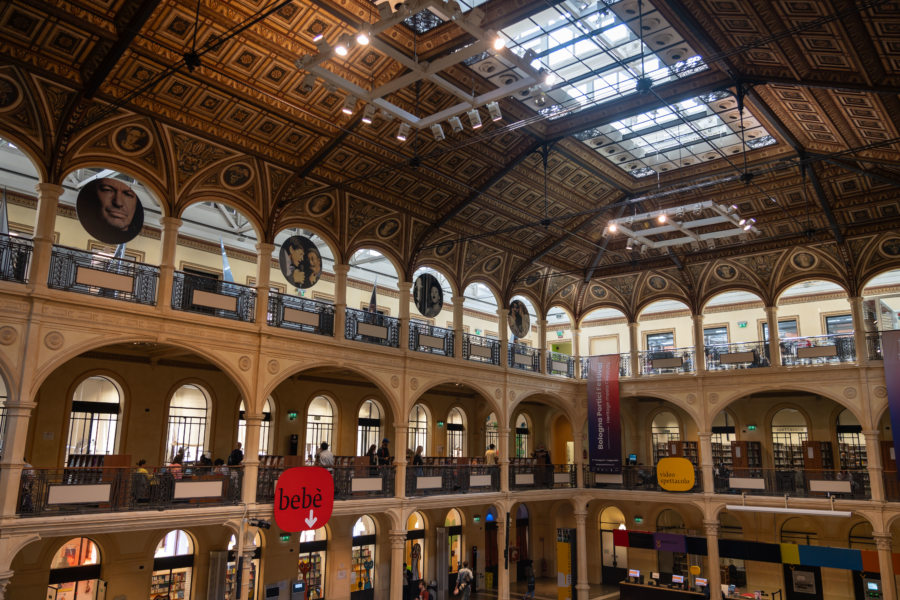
{"type": "Point", "coordinates": [340, 299]}
{"type": "Point", "coordinates": [170, 227]}
{"type": "Point", "coordinates": [263, 271]}
{"type": "Point", "coordinates": [48, 195]}
{"type": "Point", "coordinates": [774, 342]}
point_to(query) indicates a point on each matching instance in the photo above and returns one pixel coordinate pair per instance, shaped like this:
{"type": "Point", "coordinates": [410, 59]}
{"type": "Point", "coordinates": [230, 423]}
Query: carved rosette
{"type": "Point", "coordinates": [849, 393]}
{"type": "Point", "coordinates": [54, 340]}
{"type": "Point", "coordinates": [245, 363]}
{"type": "Point", "coordinates": [272, 366]}
{"type": "Point", "coordinates": [8, 335]}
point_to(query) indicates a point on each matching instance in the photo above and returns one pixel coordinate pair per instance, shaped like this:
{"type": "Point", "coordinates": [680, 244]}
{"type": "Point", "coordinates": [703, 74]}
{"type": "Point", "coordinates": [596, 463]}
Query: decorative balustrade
{"type": "Point", "coordinates": [372, 328]}
{"type": "Point", "coordinates": [428, 338]}
{"type": "Point", "coordinates": [300, 314]}
{"type": "Point", "coordinates": [105, 276]}
{"type": "Point", "coordinates": [524, 357]}
{"type": "Point", "coordinates": [624, 365]}
{"type": "Point", "coordinates": [529, 474]}
{"type": "Point", "coordinates": [560, 364]}
{"type": "Point", "coordinates": [481, 349]}
{"type": "Point", "coordinates": [354, 479]}
{"type": "Point", "coordinates": [873, 345]}
{"type": "Point", "coordinates": [15, 254]}
{"type": "Point", "coordinates": [675, 360]}
{"type": "Point", "coordinates": [205, 295]}
{"type": "Point", "coordinates": [818, 350]}
{"type": "Point", "coordinates": [451, 476]}
{"type": "Point", "coordinates": [741, 355]}
{"type": "Point", "coordinates": [800, 483]}
{"type": "Point", "coordinates": [634, 477]}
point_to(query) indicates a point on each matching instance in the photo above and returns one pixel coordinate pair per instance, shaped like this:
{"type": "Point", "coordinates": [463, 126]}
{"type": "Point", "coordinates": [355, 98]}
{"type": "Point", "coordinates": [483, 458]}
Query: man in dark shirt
{"type": "Point", "coordinates": [237, 456]}
{"type": "Point", "coordinates": [384, 453]}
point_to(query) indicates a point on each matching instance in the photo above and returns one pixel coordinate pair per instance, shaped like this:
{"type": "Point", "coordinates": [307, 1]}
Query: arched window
{"type": "Point", "coordinates": [253, 584]}
{"type": "Point", "coordinates": [453, 523]}
{"type": "Point", "coordinates": [319, 425]}
{"type": "Point", "coordinates": [523, 435]}
{"type": "Point", "coordinates": [173, 565]}
{"type": "Point", "coordinates": [861, 536]}
{"type": "Point", "coordinates": [265, 427]}
{"type": "Point", "coordinates": [188, 416]}
{"type": "Point", "coordinates": [799, 530]}
{"type": "Point", "coordinates": [522, 529]}
{"type": "Point", "coordinates": [311, 562]}
{"type": "Point", "coordinates": [456, 433]}
{"type": "Point", "coordinates": [415, 546]}
{"type": "Point", "coordinates": [670, 521]}
{"type": "Point", "coordinates": [723, 433]}
{"type": "Point", "coordinates": [362, 573]}
{"type": "Point", "coordinates": [368, 427]}
{"type": "Point", "coordinates": [94, 420]}
{"type": "Point", "coordinates": [613, 557]}
{"type": "Point", "coordinates": [3, 397]}
{"type": "Point", "coordinates": [418, 428]}
{"type": "Point", "coordinates": [491, 431]}
{"type": "Point", "coordinates": [789, 433]}
{"type": "Point", "coordinates": [851, 442]}
{"type": "Point", "coordinates": [663, 430]}
{"type": "Point", "coordinates": [75, 571]}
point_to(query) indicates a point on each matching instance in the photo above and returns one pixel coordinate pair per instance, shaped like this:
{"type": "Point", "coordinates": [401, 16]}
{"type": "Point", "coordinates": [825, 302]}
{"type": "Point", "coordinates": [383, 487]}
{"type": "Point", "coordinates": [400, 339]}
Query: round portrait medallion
{"type": "Point", "coordinates": [519, 320]}
{"type": "Point", "coordinates": [300, 261]}
{"type": "Point", "coordinates": [110, 210]}
{"type": "Point", "coordinates": [428, 295]}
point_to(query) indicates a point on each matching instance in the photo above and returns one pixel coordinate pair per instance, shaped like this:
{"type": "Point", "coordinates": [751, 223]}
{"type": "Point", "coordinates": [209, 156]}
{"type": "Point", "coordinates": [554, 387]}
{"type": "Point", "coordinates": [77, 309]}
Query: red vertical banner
{"type": "Point", "coordinates": [890, 350]}
{"type": "Point", "coordinates": [604, 425]}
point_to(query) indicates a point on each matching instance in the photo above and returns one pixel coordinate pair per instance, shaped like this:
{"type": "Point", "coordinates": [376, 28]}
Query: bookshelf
{"type": "Point", "coordinates": [746, 458]}
{"type": "Point", "coordinates": [688, 450]}
{"type": "Point", "coordinates": [362, 567]}
{"type": "Point", "coordinates": [174, 584]}
{"type": "Point", "coordinates": [311, 571]}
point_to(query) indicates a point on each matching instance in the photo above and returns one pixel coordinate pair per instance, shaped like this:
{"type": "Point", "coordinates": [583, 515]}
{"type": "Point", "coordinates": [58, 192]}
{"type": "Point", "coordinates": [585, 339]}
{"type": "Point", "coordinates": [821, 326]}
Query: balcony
{"type": "Point", "coordinates": [15, 254]}
{"type": "Point", "coordinates": [481, 349]}
{"type": "Point", "coordinates": [208, 296]}
{"type": "Point", "coordinates": [818, 350]}
{"type": "Point", "coordinates": [873, 345]}
{"type": "Point", "coordinates": [104, 276]}
{"type": "Point", "coordinates": [300, 314]}
{"type": "Point", "coordinates": [634, 477]}
{"type": "Point", "coordinates": [46, 492]}
{"type": "Point", "coordinates": [657, 362]}
{"type": "Point", "coordinates": [745, 355]}
{"type": "Point", "coordinates": [442, 477]}
{"type": "Point", "coordinates": [524, 358]}
{"type": "Point", "coordinates": [624, 365]}
{"type": "Point", "coordinates": [354, 479]}
{"type": "Point", "coordinates": [428, 338]}
{"type": "Point", "coordinates": [560, 364]}
{"type": "Point", "coordinates": [527, 474]}
{"type": "Point", "coordinates": [372, 328]}
{"type": "Point", "coordinates": [801, 483]}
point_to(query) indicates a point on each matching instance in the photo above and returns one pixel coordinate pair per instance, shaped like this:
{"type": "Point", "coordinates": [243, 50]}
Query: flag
{"type": "Point", "coordinates": [120, 251]}
{"type": "Point", "coordinates": [373, 304]}
{"type": "Point", "coordinates": [119, 254]}
{"type": "Point", "coordinates": [226, 268]}
{"type": "Point", "coordinates": [4, 220]}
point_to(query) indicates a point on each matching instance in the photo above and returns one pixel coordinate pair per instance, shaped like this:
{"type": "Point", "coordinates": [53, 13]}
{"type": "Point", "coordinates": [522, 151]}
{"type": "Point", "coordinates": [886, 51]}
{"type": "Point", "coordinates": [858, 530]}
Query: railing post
{"type": "Point", "coordinates": [859, 330]}
{"type": "Point", "coordinates": [503, 563]}
{"type": "Point", "coordinates": [45, 221]}
{"type": "Point", "coordinates": [714, 575]}
{"type": "Point", "coordinates": [884, 542]}
{"type": "Point", "coordinates": [633, 342]}
{"type": "Point", "coordinates": [582, 585]}
{"type": "Point", "coordinates": [542, 342]}
{"type": "Point", "coordinates": [576, 351]}
{"type": "Point", "coordinates": [400, 441]}
{"type": "Point", "coordinates": [18, 416]}
{"type": "Point", "coordinates": [503, 333]}
{"type": "Point", "coordinates": [873, 465]}
{"type": "Point", "coordinates": [403, 327]}
{"type": "Point", "coordinates": [774, 345]}
{"type": "Point", "coordinates": [263, 271]}
{"type": "Point", "coordinates": [458, 332]}
{"type": "Point", "coordinates": [706, 463]}
{"type": "Point", "coordinates": [579, 460]}
{"type": "Point", "coordinates": [340, 299]}
{"type": "Point", "coordinates": [503, 439]}
{"type": "Point", "coordinates": [699, 346]}
{"type": "Point", "coordinates": [170, 227]}
{"type": "Point", "coordinates": [251, 458]}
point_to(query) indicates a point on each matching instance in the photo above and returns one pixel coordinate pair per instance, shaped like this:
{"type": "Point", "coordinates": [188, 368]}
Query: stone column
{"type": "Point", "coordinates": [170, 227]}
{"type": "Point", "coordinates": [251, 457]}
{"type": "Point", "coordinates": [884, 544]}
{"type": "Point", "coordinates": [774, 347]}
{"type": "Point", "coordinates": [404, 287]}
{"type": "Point", "coordinates": [859, 329]}
{"type": "Point", "coordinates": [582, 586]}
{"type": "Point", "coordinates": [245, 571]}
{"type": "Point", "coordinates": [874, 465]}
{"type": "Point", "coordinates": [503, 331]}
{"type": "Point", "coordinates": [706, 463]}
{"type": "Point", "coordinates": [579, 457]}
{"type": "Point", "coordinates": [699, 345]}
{"type": "Point", "coordinates": [5, 578]}
{"type": "Point", "coordinates": [48, 195]}
{"type": "Point", "coordinates": [633, 345]}
{"type": "Point", "coordinates": [576, 351]}
{"type": "Point", "coordinates": [544, 346]}
{"type": "Point", "coordinates": [714, 576]}
{"type": "Point", "coordinates": [340, 299]}
{"type": "Point", "coordinates": [503, 438]}
{"type": "Point", "coordinates": [398, 545]}
{"type": "Point", "coordinates": [503, 567]}
{"type": "Point", "coordinates": [263, 272]}
{"type": "Point", "coordinates": [400, 441]}
{"type": "Point", "coordinates": [18, 416]}
{"type": "Point", "coordinates": [458, 332]}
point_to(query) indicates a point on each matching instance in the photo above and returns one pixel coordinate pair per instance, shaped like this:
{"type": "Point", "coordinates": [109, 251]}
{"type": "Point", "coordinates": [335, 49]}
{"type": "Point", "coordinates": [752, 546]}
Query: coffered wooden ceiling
{"type": "Point", "coordinates": [820, 77]}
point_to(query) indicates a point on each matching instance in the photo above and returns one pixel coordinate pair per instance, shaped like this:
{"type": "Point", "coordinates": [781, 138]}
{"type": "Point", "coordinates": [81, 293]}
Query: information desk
{"type": "Point", "coordinates": [636, 591]}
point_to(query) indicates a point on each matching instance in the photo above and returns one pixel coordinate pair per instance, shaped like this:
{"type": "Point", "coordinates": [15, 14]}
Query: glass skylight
{"type": "Point", "coordinates": [592, 50]}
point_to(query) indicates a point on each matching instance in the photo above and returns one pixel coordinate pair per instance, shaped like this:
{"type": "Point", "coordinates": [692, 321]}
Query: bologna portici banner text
{"type": "Point", "coordinates": [604, 427]}
{"type": "Point", "coordinates": [890, 350]}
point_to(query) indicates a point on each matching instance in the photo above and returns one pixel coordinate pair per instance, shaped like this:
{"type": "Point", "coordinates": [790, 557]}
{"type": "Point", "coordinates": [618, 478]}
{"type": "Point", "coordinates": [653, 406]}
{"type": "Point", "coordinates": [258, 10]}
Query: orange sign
{"type": "Point", "coordinates": [675, 474]}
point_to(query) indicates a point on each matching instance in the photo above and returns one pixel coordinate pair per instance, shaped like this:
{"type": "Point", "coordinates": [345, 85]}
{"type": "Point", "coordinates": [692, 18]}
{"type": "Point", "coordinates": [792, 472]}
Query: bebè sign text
{"type": "Point", "coordinates": [304, 498]}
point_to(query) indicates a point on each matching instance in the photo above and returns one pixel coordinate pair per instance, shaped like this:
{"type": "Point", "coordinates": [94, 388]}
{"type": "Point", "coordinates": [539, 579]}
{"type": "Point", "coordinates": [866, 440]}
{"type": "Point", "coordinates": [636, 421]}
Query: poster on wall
{"type": "Point", "coordinates": [110, 210]}
{"type": "Point", "coordinates": [519, 320]}
{"type": "Point", "coordinates": [891, 351]}
{"type": "Point", "coordinates": [428, 295]}
{"type": "Point", "coordinates": [604, 426]}
{"type": "Point", "coordinates": [300, 262]}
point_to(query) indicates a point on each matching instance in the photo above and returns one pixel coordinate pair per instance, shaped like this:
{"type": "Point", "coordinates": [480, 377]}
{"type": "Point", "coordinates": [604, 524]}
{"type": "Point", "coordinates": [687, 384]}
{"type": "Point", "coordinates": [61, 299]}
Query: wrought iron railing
{"type": "Point", "coordinates": [741, 355]}
{"type": "Point", "coordinates": [675, 360]}
{"type": "Point", "coordinates": [800, 483]}
{"type": "Point", "coordinates": [624, 365]}
{"type": "Point", "coordinates": [818, 350]}
{"type": "Point", "coordinates": [481, 349]}
{"type": "Point", "coordinates": [446, 478]}
{"type": "Point", "coordinates": [560, 364]}
{"type": "Point", "coordinates": [105, 276]}
{"type": "Point", "coordinates": [205, 295]}
{"type": "Point", "coordinates": [528, 474]}
{"type": "Point", "coordinates": [634, 477]}
{"type": "Point", "coordinates": [524, 357]}
{"type": "Point", "coordinates": [428, 338]}
{"type": "Point", "coordinates": [873, 345]}
{"type": "Point", "coordinates": [300, 314]}
{"type": "Point", "coordinates": [372, 328]}
{"type": "Point", "coordinates": [15, 254]}
{"type": "Point", "coordinates": [351, 481]}
{"type": "Point", "coordinates": [115, 489]}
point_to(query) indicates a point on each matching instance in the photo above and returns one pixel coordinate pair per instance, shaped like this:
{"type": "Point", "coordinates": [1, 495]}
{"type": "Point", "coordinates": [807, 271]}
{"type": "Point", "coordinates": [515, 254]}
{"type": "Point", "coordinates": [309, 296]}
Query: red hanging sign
{"type": "Point", "coordinates": [304, 498]}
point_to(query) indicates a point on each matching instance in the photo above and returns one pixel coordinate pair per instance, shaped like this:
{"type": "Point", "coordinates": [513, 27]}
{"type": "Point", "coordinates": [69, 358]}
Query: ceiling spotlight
{"type": "Point", "coordinates": [549, 78]}
{"type": "Point", "coordinates": [662, 218]}
{"type": "Point", "coordinates": [644, 248]}
{"type": "Point", "coordinates": [612, 227]}
{"type": "Point", "coordinates": [362, 38]}
{"type": "Point", "coordinates": [629, 244]}
{"type": "Point", "coordinates": [741, 222]}
{"type": "Point", "coordinates": [385, 115]}
{"type": "Point", "coordinates": [455, 124]}
{"type": "Point", "coordinates": [499, 43]}
{"type": "Point", "coordinates": [343, 46]}
{"type": "Point", "coordinates": [368, 114]}
{"type": "Point", "coordinates": [403, 132]}
{"type": "Point", "coordinates": [318, 37]}
{"type": "Point", "coordinates": [494, 111]}
{"type": "Point", "coordinates": [749, 224]}
{"type": "Point", "coordinates": [308, 83]}
{"type": "Point", "coordinates": [474, 118]}
{"type": "Point", "coordinates": [349, 105]}
{"type": "Point", "coordinates": [438, 132]}
{"type": "Point", "coordinates": [540, 99]}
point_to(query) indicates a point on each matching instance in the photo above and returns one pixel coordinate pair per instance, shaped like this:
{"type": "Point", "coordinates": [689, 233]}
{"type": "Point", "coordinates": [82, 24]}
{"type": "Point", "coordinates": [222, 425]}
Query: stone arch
{"type": "Point", "coordinates": [386, 251]}
{"type": "Point", "coordinates": [754, 387]}
{"type": "Point", "coordinates": [495, 404]}
{"type": "Point", "coordinates": [325, 235]}
{"type": "Point", "coordinates": [438, 267]}
{"type": "Point", "coordinates": [223, 197]}
{"type": "Point", "coordinates": [783, 286]}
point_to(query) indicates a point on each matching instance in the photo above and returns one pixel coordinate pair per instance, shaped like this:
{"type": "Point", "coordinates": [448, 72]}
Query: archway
{"type": "Point", "coordinates": [362, 570]}
{"type": "Point", "coordinates": [815, 324]}
{"type": "Point", "coordinates": [94, 418]}
{"type": "Point", "coordinates": [416, 544]}
{"type": "Point", "coordinates": [666, 333]}
{"type": "Point", "coordinates": [75, 571]}
{"type": "Point", "coordinates": [173, 566]}
{"type": "Point", "coordinates": [614, 559]}
{"type": "Point", "coordinates": [311, 556]}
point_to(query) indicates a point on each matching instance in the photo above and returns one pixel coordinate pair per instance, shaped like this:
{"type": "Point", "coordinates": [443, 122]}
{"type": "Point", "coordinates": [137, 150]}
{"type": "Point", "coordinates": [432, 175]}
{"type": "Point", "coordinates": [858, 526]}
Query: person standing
{"type": "Point", "coordinates": [326, 457]}
{"type": "Point", "coordinates": [237, 456]}
{"type": "Point", "coordinates": [491, 456]}
{"type": "Point", "coordinates": [529, 581]}
{"type": "Point", "coordinates": [384, 453]}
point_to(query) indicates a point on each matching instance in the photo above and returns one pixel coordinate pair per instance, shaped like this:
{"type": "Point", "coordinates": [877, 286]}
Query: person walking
{"type": "Point", "coordinates": [464, 580]}
{"type": "Point", "coordinates": [529, 581]}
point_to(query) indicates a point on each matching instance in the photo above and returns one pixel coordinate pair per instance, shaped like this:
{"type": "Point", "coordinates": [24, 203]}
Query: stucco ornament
{"type": "Point", "coordinates": [713, 398]}
{"type": "Point", "coordinates": [395, 381]}
{"type": "Point", "coordinates": [880, 391]}
{"type": "Point", "coordinates": [849, 393]}
{"type": "Point", "coordinates": [8, 335]}
{"type": "Point", "coordinates": [413, 384]}
{"type": "Point", "coordinates": [54, 340]}
{"type": "Point", "coordinates": [273, 366]}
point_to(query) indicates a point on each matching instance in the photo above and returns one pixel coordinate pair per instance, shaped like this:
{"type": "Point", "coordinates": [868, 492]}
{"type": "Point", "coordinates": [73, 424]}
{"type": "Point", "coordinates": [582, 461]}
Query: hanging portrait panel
{"type": "Point", "coordinates": [110, 210]}
{"type": "Point", "coordinates": [519, 320]}
{"type": "Point", "coordinates": [300, 261]}
{"type": "Point", "coordinates": [428, 295]}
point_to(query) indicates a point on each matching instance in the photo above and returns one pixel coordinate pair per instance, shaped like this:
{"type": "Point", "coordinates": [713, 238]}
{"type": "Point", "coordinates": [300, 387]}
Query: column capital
{"type": "Point", "coordinates": [340, 269]}
{"type": "Point", "coordinates": [704, 435]}
{"type": "Point", "coordinates": [771, 309]}
{"type": "Point", "coordinates": [265, 248]}
{"type": "Point", "coordinates": [49, 189]}
{"type": "Point", "coordinates": [874, 434]}
{"type": "Point", "coordinates": [404, 285]}
{"type": "Point", "coordinates": [398, 538]}
{"type": "Point", "coordinates": [711, 528]}
{"type": "Point", "coordinates": [580, 517]}
{"type": "Point", "coordinates": [883, 540]}
{"type": "Point", "coordinates": [697, 317]}
{"type": "Point", "coordinates": [168, 222]}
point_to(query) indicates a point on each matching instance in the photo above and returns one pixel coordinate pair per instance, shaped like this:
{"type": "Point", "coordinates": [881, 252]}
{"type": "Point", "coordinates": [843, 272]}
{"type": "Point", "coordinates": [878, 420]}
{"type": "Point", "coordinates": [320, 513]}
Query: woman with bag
{"type": "Point", "coordinates": [464, 582]}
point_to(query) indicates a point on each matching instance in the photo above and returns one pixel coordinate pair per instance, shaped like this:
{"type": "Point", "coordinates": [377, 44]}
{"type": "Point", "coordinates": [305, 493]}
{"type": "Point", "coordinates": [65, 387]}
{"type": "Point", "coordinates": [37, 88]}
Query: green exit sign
{"type": "Point", "coordinates": [751, 427]}
{"type": "Point", "coordinates": [285, 537]}
{"type": "Point", "coordinates": [742, 324]}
